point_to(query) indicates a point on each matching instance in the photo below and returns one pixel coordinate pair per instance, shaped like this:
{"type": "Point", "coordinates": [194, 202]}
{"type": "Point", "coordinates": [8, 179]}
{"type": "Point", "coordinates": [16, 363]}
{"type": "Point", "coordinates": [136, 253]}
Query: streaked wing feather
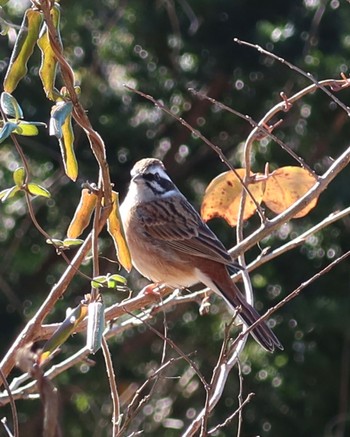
{"type": "Point", "coordinates": [178, 223]}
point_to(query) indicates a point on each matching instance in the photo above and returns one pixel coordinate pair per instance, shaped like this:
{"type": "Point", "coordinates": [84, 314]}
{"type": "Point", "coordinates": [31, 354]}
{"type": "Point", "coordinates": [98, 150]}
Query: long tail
{"type": "Point", "coordinates": [262, 333]}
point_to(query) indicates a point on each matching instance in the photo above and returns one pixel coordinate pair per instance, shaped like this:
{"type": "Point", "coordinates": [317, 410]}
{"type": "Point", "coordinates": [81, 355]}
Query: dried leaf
{"type": "Point", "coordinates": [82, 214]}
{"type": "Point", "coordinates": [287, 185]}
{"type": "Point", "coordinates": [223, 195]}
{"type": "Point", "coordinates": [115, 229]}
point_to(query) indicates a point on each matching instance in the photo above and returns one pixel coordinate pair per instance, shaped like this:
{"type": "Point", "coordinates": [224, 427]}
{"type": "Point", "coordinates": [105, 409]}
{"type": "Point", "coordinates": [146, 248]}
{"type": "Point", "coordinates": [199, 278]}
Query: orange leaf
{"type": "Point", "coordinates": [223, 195]}
{"type": "Point", "coordinates": [82, 214]}
{"type": "Point", "coordinates": [287, 185]}
{"type": "Point", "coordinates": [115, 229]}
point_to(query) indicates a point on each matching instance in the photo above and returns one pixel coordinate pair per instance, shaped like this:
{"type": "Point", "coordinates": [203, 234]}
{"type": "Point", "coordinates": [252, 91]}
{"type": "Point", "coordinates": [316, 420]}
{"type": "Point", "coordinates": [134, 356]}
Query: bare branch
{"type": "Point", "coordinates": [233, 415]}
{"type": "Point", "coordinates": [12, 403]}
{"type": "Point", "coordinates": [116, 417]}
{"type": "Point", "coordinates": [335, 84]}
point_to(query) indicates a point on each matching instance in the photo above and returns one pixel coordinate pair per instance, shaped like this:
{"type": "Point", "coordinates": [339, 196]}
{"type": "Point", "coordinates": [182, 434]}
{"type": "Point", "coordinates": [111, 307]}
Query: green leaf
{"type": "Point", "coordinates": [8, 193]}
{"type": "Point", "coordinates": [114, 280]}
{"type": "Point", "coordinates": [99, 281]}
{"type": "Point", "coordinates": [4, 25]}
{"type": "Point", "coordinates": [68, 242]}
{"type": "Point", "coordinates": [19, 176]}
{"type": "Point", "coordinates": [66, 328]}
{"type": "Point", "coordinates": [95, 327]}
{"type": "Point", "coordinates": [55, 241]}
{"type": "Point", "coordinates": [109, 281]}
{"type": "Point", "coordinates": [7, 130]}
{"type": "Point", "coordinates": [3, 2]}
{"type": "Point", "coordinates": [28, 128]}
{"type": "Point", "coordinates": [24, 46]}
{"type": "Point", "coordinates": [37, 190]}
{"type": "Point", "coordinates": [10, 106]}
{"type": "Point", "coordinates": [48, 67]}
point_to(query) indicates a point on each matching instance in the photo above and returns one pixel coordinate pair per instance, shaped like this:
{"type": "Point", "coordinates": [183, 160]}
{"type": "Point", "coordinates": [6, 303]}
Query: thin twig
{"type": "Point", "coordinates": [254, 124]}
{"type": "Point", "coordinates": [225, 368]}
{"type": "Point", "coordinates": [336, 84]}
{"type": "Point", "coordinates": [197, 133]}
{"type": "Point", "coordinates": [24, 392]}
{"type": "Point", "coordinates": [174, 346]}
{"type": "Point", "coordinates": [95, 258]}
{"type": "Point", "coordinates": [293, 295]}
{"type": "Point", "coordinates": [7, 429]}
{"type": "Point", "coordinates": [30, 330]}
{"type": "Point", "coordinates": [297, 241]}
{"type": "Point", "coordinates": [142, 301]}
{"type": "Point", "coordinates": [12, 403]}
{"type": "Point", "coordinates": [132, 408]}
{"type": "Point", "coordinates": [233, 415]}
{"type": "Point", "coordinates": [267, 228]}
{"type": "Point", "coordinates": [79, 114]}
{"type": "Point", "coordinates": [240, 398]}
{"type": "Point", "coordinates": [116, 417]}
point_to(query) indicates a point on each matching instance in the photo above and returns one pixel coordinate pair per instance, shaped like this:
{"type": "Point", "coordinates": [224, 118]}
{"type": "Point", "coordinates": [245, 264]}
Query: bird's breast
{"type": "Point", "coordinates": [153, 258]}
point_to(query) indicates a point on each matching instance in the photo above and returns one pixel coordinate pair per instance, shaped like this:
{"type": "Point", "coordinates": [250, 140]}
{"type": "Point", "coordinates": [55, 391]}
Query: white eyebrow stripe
{"type": "Point", "coordinates": [163, 174]}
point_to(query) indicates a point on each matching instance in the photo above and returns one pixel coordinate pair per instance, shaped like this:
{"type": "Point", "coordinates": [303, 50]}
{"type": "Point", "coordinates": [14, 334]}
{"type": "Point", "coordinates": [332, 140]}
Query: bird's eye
{"type": "Point", "coordinates": [157, 177]}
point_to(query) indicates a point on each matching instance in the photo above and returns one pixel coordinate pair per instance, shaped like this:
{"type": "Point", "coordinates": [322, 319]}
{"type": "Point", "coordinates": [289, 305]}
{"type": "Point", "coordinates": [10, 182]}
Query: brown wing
{"type": "Point", "coordinates": [176, 222]}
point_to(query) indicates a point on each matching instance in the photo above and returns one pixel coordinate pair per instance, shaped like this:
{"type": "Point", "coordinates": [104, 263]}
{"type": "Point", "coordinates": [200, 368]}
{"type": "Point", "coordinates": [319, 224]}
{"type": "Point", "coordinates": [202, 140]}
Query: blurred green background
{"type": "Point", "coordinates": [163, 48]}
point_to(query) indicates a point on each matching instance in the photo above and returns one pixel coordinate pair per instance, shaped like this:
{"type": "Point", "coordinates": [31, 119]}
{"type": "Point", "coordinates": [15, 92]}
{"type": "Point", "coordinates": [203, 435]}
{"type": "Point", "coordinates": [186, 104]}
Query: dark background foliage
{"type": "Point", "coordinates": [163, 48]}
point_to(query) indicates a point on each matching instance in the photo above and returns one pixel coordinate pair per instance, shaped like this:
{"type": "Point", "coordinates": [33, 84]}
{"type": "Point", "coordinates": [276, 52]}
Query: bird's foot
{"type": "Point", "coordinates": [152, 289]}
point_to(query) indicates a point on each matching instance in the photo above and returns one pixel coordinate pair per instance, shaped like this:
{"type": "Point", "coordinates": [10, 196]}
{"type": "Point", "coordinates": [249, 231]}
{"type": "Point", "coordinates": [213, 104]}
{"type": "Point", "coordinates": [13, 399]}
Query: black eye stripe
{"type": "Point", "coordinates": [158, 184]}
{"type": "Point", "coordinates": [152, 177]}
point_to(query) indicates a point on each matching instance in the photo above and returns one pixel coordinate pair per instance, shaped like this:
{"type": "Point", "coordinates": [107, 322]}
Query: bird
{"type": "Point", "coordinates": [170, 243]}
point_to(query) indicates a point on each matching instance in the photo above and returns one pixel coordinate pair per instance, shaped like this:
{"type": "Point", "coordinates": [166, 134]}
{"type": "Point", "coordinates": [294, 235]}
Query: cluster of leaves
{"type": "Point", "coordinates": [278, 190]}
{"type": "Point", "coordinates": [34, 31]}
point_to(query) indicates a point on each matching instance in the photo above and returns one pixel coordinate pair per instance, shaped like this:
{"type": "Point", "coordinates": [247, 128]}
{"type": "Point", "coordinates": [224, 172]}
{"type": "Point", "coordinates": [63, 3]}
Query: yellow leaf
{"type": "Point", "coordinates": [223, 195]}
{"type": "Point", "coordinates": [65, 329]}
{"type": "Point", "coordinates": [287, 185]}
{"type": "Point", "coordinates": [115, 228]}
{"type": "Point", "coordinates": [67, 149]}
{"type": "Point", "coordinates": [48, 67]}
{"type": "Point", "coordinates": [23, 49]}
{"type": "Point", "coordinates": [82, 214]}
